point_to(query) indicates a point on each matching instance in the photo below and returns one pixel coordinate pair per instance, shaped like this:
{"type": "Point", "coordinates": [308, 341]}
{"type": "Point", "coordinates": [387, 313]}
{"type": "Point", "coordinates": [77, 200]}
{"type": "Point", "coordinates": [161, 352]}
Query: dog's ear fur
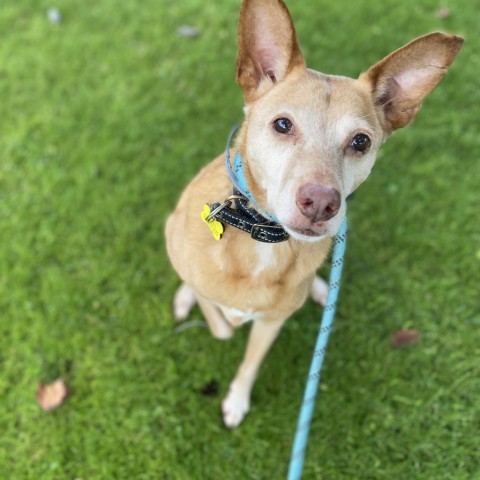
{"type": "Point", "coordinates": [404, 78]}
{"type": "Point", "coordinates": [267, 46]}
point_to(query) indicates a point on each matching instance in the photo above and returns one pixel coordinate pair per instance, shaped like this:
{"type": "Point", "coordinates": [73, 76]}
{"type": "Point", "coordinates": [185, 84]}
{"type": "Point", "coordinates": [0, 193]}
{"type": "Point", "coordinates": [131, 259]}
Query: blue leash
{"type": "Point", "coordinates": [311, 388]}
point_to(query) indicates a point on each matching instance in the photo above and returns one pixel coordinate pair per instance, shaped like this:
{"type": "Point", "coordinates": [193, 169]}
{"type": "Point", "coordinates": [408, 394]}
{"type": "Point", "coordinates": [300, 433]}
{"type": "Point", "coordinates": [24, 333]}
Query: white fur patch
{"type": "Point", "coordinates": [265, 257]}
{"type": "Point", "coordinates": [238, 317]}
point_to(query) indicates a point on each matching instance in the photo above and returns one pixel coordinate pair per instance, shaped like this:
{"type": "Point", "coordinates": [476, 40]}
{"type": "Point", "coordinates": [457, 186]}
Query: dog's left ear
{"type": "Point", "coordinates": [404, 78]}
{"type": "Point", "coordinates": [267, 46]}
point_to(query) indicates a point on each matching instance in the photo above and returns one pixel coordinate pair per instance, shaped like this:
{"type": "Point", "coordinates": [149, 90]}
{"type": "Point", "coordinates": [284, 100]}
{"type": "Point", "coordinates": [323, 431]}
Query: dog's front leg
{"type": "Point", "coordinates": [237, 402]}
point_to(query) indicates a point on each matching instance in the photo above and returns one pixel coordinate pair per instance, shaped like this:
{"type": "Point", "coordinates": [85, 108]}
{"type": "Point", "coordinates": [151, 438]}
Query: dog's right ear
{"type": "Point", "coordinates": [267, 46]}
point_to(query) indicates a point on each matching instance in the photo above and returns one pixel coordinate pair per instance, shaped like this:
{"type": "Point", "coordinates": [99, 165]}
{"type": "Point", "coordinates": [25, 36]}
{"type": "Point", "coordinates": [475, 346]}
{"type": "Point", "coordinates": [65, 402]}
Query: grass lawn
{"type": "Point", "coordinates": [104, 118]}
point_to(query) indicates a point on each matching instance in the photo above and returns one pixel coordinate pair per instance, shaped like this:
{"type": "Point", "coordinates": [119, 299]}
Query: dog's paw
{"type": "Point", "coordinates": [234, 407]}
{"type": "Point", "coordinates": [183, 302]}
{"type": "Point", "coordinates": [319, 290]}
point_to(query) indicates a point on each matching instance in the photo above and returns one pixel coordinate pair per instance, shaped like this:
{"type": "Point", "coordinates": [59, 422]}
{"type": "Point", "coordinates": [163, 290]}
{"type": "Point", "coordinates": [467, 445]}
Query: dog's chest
{"type": "Point", "coordinates": [266, 258]}
{"type": "Point", "coordinates": [255, 279]}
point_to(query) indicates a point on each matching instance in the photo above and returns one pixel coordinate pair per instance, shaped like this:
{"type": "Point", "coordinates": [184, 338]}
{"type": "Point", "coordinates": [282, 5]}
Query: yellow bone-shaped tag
{"type": "Point", "coordinates": [215, 226]}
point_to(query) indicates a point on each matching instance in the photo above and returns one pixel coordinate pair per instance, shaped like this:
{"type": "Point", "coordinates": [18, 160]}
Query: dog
{"type": "Point", "coordinates": [252, 228]}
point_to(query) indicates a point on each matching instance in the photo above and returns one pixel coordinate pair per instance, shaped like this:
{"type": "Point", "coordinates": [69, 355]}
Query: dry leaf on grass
{"type": "Point", "coordinates": [51, 396]}
{"type": "Point", "coordinates": [403, 338]}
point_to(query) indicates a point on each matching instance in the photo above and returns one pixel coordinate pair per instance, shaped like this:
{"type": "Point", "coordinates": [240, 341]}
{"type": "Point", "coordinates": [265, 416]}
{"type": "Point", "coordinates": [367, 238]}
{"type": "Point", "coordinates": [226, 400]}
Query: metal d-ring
{"type": "Point", "coordinates": [225, 204]}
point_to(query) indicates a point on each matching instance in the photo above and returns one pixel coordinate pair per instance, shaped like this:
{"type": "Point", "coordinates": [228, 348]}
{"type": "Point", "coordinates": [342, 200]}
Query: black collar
{"type": "Point", "coordinates": [247, 219]}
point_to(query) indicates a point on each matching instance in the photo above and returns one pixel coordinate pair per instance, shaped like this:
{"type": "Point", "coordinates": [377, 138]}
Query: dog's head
{"type": "Point", "coordinates": [309, 139]}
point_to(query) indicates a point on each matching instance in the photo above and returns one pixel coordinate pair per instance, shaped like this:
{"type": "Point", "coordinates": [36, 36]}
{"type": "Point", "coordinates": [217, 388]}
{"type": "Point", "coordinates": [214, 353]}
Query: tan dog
{"type": "Point", "coordinates": [307, 142]}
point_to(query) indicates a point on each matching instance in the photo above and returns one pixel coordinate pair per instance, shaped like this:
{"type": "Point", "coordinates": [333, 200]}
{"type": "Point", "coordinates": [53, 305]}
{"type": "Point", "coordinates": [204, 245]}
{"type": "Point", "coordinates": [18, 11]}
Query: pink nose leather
{"type": "Point", "coordinates": [318, 203]}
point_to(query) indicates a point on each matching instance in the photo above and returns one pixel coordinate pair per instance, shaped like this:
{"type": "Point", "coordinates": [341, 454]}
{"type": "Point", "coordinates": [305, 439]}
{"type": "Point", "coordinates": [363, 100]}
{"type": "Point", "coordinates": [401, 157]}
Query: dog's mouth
{"type": "Point", "coordinates": [308, 234]}
{"type": "Point", "coordinates": [314, 233]}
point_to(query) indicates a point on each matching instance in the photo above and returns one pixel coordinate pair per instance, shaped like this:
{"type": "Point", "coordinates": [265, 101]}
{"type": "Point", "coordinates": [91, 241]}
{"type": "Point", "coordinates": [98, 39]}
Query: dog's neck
{"type": "Point", "coordinates": [243, 181]}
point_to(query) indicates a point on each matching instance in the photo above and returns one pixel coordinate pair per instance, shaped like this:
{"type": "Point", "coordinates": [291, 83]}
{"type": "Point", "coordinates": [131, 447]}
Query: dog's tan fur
{"type": "Point", "coordinates": [238, 279]}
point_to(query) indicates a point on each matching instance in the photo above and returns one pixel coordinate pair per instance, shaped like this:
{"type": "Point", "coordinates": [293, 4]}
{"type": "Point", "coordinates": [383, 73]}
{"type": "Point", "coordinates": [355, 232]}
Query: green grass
{"type": "Point", "coordinates": [103, 119]}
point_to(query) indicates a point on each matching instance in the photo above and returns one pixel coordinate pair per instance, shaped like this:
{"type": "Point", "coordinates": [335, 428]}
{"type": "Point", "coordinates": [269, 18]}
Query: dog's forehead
{"type": "Point", "coordinates": [340, 95]}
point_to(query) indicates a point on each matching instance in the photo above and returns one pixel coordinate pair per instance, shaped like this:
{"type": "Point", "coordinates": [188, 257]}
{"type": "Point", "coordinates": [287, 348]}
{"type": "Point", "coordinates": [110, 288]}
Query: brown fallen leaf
{"type": "Point", "coordinates": [405, 337]}
{"type": "Point", "coordinates": [51, 396]}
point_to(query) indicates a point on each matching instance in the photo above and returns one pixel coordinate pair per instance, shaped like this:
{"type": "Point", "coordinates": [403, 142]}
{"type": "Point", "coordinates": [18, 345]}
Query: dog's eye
{"type": "Point", "coordinates": [360, 143]}
{"type": "Point", "coordinates": [282, 125]}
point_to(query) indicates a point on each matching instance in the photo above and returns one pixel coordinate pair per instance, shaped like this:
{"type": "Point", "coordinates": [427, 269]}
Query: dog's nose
{"type": "Point", "coordinates": [318, 203]}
